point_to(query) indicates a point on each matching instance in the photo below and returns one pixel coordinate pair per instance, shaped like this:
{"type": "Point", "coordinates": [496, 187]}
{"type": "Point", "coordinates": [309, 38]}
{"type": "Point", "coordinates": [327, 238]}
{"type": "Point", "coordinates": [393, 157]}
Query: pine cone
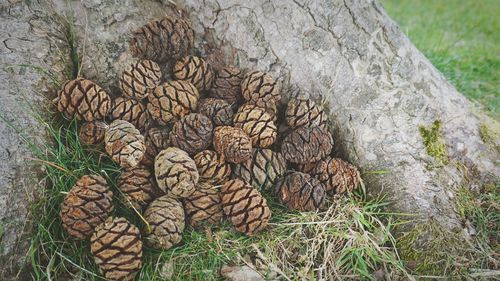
{"type": "Point", "coordinates": [165, 217]}
{"type": "Point", "coordinates": [218, 110]}
{"type": "Point", "coordinates": [268, 106]}
{"type": "Point", "coordinates": [300, 191]}
{"type": "Point", "coordinates": [92, 132]}
{"type": "Point", "coordinates": [176, 172]}
{"type": "Point", "coordinates": [84, 100]}
{"type": "Point", "coordinates": [337, 175]}
{"type": "Point", "coordinates": [233, 144]}
{"type": "Point", "coordinates": [196, 71]}
{"type": "Point", "coordinates": [257, 124]}
{"type": "Point", "coordinates": [138, 186]}
{"type": "Point", "coordinates": [156, 140]}
{"type": "Point", "coordinates": [193, 133]}
{"type": "Point", "coordinates": [130, 110]}
{"type": "Point", "coordinates": [227, 85]}
{"type": "Point", "coordinates": [245, 207]}
{"type": "Point", "coordinates": [305, 112]}
{"type": "Point", "coordinates": [117, 249]}
{"type": "Point", "coordinates": [163, 39]}
{"type": "Point", "coordinates": [260, 85]}
{"type": "Point", "coordinates": [172, 101]}
{"type": "Point", "coordinates": [204, 205]}
{"type": "Point", "coordinates": [87, 204]}
{"type": "Point", "coordinates": [306, 145]}
{"type": "Point", "coordinates": [124, 143]}
{"type": "Point", "coordinates": [211, 167]}
{"type": "Point", "coordinates": [139, 79]}
{"type": "Point", "coordinates": [262, 170]}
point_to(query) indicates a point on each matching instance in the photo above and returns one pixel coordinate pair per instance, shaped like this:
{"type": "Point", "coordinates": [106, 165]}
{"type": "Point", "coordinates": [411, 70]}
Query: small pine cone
{"type": "Point", "coordinates": [196, 71]}
{"type": "Point", "coordinates": [92, 132]}
{"type": "Point", "coordinates": [268, 106]}
{"type": "Point", "coordinates": [163, 39]}
{"type": "Point", "coordinates": [307, 145]}
{"type": "Point", "coordinates": [204, 205]}
{"type": "Point", "coordinates": [227, 85]}
{"type": "Point", "coordinates": [156, 140]}
{"type": "Point", "coordinates": [124, 143]}
{"type": "Point", "coordinates": [337, 175]}
{"type": "Point", "coordinates": [262, 170]}
{"type": "Point", "coordinates": [87, 204]}
{"type": "Point", "coordinates": [245, 207]}
{"type": "Point", "coordinates": [165, 217]}
{"type": "Point", "coordinates": [260, 85]}
{"type": "Point", "coordinates": [211, 167]}
{"type": "Point", "coordinates": [176, 172]}
{"type": "Point", "coordinates": [130, 110]}
{"type": "Point", "coordinates": [193, 133]}
{"type": "Point", "coordinates": [300, 191]}
{"type": "Point", "coordinates": [84, 100]}
{"type": "Point", "coordinates": [117, 249]}
{"type": "Point", "coordinates": [218, 110]}
{"type": "Point", "coordinates": [172, 101]}
{"type": "Point", "coordinates": [257, 124]}
{"type": "Point", "coordinates": [304, 112]}
{"type": "Point", "coordinates": [233, 143]}
{"type": "Point", "coordinates": [138, 186]}
{"type": "Point", "coordinates": [139, 79]}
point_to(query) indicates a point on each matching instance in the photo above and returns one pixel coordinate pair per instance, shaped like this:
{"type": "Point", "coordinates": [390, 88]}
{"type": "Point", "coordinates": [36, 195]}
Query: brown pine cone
{"type": "Point", "coordinates": [233, 144]}
{"type": "Point", "coordinates": [138, 186]}
{"type": "Point", "coordinates": [176, 172]}
{"type": "Point", "coordinates": [163, 39]}
{"type": "Point", "coordinates": [193, 133]}
{"type": "Point", "coordinates": [260, 85]}
{"type": "Point", "coordinates": [117, 249]}
{"type": "Point", "coordinates": [300, 191]}
{"type": "Point", "coordinates": [245, 207]}
{"type": "Point", "coordinates": [156, 140]}
{"type": "Point", "coordinates": [304, 112]}
{"type": "Point", "coordinates": [83, 99]}
{"type": "Point", "coordinates": [204, 205]}
{"type": "Point", "coordinates": [171, 101]}
{"type": "Point", "coordinates": [92, 132]}
{"type": "Point", "coordinates": [227, 85]}
{"type": "Point", "coordinates": [337, 175]}
{"type": "Point", "coordinates": [196, 71]}
{"type": "Point", "coordinates": [130, 110]}
{"type": "Point", "coordinates": [124, 143]}
{"type": "Point", "coordinates": [139, 79]}
{"type": "Point", "coordinates": [262, 170]}
{"type": "Point", "coordinates": [218, 110]}
{"type": "Point", "coordinates": [211, 167]}
{"type": "Point", "coordinates": [306, 145]}
{"type": "Point", "coordinates": [165, 217]}
{"type": "Point", "coordinates": [268, 106]}
{"type": "Point", "coordinates": [257, 124]}
{"type": "Point", "coordinates": [87, 204]}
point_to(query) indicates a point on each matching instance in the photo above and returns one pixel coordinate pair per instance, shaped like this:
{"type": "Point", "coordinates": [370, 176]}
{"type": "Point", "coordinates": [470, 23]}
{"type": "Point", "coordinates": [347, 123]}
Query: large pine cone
{"type": "Point", "coordinates": [218, 110]}
{"type": "Point", "coordinates": [130, 110]}
{"type": "Point", "coordinates": [304, 112]}
{"type": "Point", "coordinates": [84, 100]}
{"type": "Point", "coordinates": [257, 124]}
{"type": "Point", "coordinates": [163, 39]}
{"type": "Point", "coordinates": [260, 85]}
{"type": "Point", "coordinates": [204, 205]}
{"type": "Point", "coordinates": [262, 170]}
{"type": "Point", "coordinates": [195, 70]}
{"type": "Point", "coordinates": [193, 133]}
{"type": "Point", "coordinates": [212, 167]}
{"type": "Point", "coordinates": [227, 85]}
{"type": "Point", "coordinates": [117, 249]}
{"type": "Point", "coordinates": [124, 143]}
{"type": "Point", "coordinates": [165, 217]}
{"type": "Point", "coordinates": [245, 207]}
{"type": "Point", "coordinates": [337, 175]}
{"type": "Point", "coordinates": [306, 145]}
{"type": "Point", "coordinates": [300, 191]}
{"type": "Point", "coordinates": [139, 79]}
{"type": "Point", "coordinates": [138, 186]}
{"type": "Point", "coordinates": [268, 106]}
{"type": "Point", "coordinates": [156, 140]}
{"type": "Point", "coordinates": [87, 204]}
{"type": "Point", "coordinates": [233, 143]}
{"type": "Point", "coordinates": [172, 101]}
{"type": "Point", "coordinates": [92, 132]}
{"type": "Point", "coordinates": [176, 172]}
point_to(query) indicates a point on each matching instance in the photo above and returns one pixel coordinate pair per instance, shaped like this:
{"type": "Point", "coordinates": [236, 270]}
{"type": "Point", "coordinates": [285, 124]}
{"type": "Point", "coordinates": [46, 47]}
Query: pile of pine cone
{"type": "Point", "coordinates": [194, 149]}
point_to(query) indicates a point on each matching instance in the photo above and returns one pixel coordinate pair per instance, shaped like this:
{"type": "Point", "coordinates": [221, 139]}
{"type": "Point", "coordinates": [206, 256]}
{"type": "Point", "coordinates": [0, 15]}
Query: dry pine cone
{"type": "Point", "coordinates": [233, 144]}
{"type": "Point", "coordinates": [124, 143]}
{"type": "Point", "coordinates": [195, 70]}
{"type": "Point", "coordinates": [211, 167]}
{"type": "Point", "coordinates": [337, 175]}
{"type": "Point", "coordinates": [176, 172]}
{"type": "Point", "coordinates": [304, 112]}
{"type": "Point", "coordinates": [227, 85]}
{"type": "Point", "coordinates": [87, 204]}
{"type": "Point", "coordinates": [92, 132]}
{"type": "Point", "coordinates": [262, 170]}
{"type": "Point", "coordinates": [306, 145]}
{"type": "Point", "coordinates": [257, 124]}
{"type": "Point", "coordinates": [300, 191]}
{"type": "Point", "coordinates": [268, 106]}
{"type": "Point", "coordinates": [258, 85]}
{"type": "Point", "coordinates": [156, 140]}
{"type": "Point", "coordinates": [193, 133]}
{"type": "Point", "coordinates": [130, 110]}
{"type": "Point", "coordinates": [204, 205]}
{"type": "Point", "coordinates": [139, 79]}
{"type": "Point", "coordinates": [138, 186]}
{"type": "Point", "coordinates": [218, 110]}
